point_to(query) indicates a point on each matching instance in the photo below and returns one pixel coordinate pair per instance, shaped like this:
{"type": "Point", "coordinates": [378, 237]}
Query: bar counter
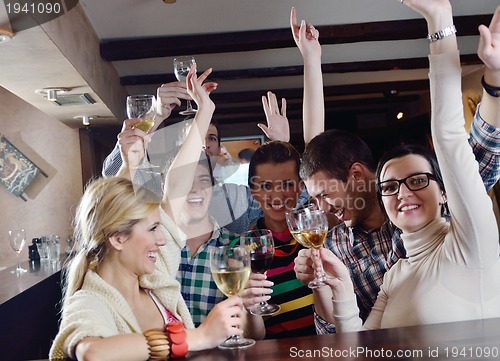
{"type": "Point", "coordinates": [29, 310]}
{"type": "Point", "coordinates": [467, 340]}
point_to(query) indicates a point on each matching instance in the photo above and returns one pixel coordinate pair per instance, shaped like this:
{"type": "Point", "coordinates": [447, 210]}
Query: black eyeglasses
{"type": "Point", "coordinates": [414, 182]}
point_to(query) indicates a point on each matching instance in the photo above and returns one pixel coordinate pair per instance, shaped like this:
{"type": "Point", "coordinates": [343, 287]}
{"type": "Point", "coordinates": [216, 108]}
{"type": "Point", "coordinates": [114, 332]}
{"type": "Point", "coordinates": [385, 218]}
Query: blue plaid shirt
{"type": "Point", "coordinates": [197, 285]}
{"type": "Point", "coordinates": [369, 254]}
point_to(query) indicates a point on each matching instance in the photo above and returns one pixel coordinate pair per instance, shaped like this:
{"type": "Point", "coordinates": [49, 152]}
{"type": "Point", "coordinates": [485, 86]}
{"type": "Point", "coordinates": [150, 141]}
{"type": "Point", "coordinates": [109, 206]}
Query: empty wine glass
{"type": "Point", "coordinates": [17, 241]}
{"type": "Point", "coordinates": [230, 267]}
{"type": "Point", "coordinates": [182, 65]}
{"type": "Point", "coordinates": [143, 106]}
{"type": "Point", "coordinates": [309, 226]}
{"type": "Point", "coordinates": [260, 242]}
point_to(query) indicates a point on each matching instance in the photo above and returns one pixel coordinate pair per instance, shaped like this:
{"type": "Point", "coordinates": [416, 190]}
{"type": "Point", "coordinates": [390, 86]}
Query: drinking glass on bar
{"type": "Point", "coordinates": [230, 267]}
{"type": "Point", "coordinates": [261, 245]}
{"type": "Point", "coordinates": [309, 226]}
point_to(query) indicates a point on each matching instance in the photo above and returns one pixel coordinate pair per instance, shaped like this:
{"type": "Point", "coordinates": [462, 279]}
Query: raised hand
{"type": "Point", "coordinates": [489, 44]}
{"type": "Point", "coordinates": [277, 127]}
{"type": "Point", "coordinates": [168, 97]}
{"type": "Point", "coordinates": [130, 141]}
{"type": "Point", "coordinates": [305, 35]}
{"type": "Point", "coordinates": [428, 8]}
{"type": "Point", "coordinates": [199, 91]}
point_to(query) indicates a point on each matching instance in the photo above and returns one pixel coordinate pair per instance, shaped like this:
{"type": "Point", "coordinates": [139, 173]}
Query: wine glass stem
{"type": "Point", "coordinates": [189, 106]}
{"type": "Point", "coordinates": [18, 263]}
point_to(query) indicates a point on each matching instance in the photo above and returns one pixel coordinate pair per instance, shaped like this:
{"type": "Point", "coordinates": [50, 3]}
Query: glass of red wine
{"type": "Point", "coordinates": [261, 245]}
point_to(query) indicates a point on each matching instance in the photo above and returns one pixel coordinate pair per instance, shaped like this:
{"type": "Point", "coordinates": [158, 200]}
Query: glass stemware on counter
{"type": "Point", "coordinates": [17, 240]}
{"type": "Point", "coordinates": [182, 65]}
{"type": "Point", "coordinates": [143, 106]}
{"type": "Point", "coordinates": [261, 245]}
{"type": "Point", "coordinates": [230, 268]}
{"type": "Point", "coordinates": [309, 226]}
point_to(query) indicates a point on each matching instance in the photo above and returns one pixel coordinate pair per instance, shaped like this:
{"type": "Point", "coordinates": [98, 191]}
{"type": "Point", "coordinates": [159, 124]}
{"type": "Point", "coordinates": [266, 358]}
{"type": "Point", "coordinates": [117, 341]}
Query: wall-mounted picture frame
{"type": "Point", "coordinates": [234, 145]}
{"type": "Point", "coordinates": [16, 170]}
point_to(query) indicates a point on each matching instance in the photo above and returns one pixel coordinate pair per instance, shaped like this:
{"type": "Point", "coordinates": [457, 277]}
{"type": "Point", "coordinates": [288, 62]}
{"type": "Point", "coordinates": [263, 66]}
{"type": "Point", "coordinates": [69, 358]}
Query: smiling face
{"type": "Point", "coordinates": [276, 187]}
{"type": "Point", "coordinates": [411, 210]}
{"type": "Point", "coordinates": [140, 249]}
{"type": "Point", "coordinates": [197, 201]}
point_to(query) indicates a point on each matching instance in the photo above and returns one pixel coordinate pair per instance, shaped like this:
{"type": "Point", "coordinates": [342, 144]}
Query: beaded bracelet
{"type": "Point", "coordinates": [177, 335]}
{"type": "Point", "coordinates": [159, 347]}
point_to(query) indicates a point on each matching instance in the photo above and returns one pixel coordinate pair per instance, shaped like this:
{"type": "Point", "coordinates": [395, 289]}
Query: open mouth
{"type": "Point", "coordinates": [152, 256]}
{"type": "Point", "coordinates": [195, 201]}
{"type": "Point", "coordinates": [408, 208]}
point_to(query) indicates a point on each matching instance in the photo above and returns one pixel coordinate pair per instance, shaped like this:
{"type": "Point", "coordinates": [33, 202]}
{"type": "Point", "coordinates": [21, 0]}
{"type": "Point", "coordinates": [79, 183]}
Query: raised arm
{"type": "Point", "coordinates": [306, 38]}
{"type": "Point", "coordinates": [473, 225]}
{"type": "Point", "coordinates": [180, 175]}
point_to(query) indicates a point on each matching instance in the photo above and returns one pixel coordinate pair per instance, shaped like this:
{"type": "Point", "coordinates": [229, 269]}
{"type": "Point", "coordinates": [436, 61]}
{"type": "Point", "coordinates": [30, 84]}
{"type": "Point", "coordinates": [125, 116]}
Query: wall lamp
{"type": "Point", "coordinates": [5, 35]}
{"type": "Point", "coordinates": [51, 93]}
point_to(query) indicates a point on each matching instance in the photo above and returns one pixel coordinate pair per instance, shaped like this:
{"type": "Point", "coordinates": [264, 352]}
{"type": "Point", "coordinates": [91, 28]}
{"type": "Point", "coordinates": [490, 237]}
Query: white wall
{"type": "Point", "coordinates": [55, 148]}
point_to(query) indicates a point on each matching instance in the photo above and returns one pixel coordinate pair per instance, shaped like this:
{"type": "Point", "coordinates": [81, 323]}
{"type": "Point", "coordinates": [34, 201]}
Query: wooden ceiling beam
{"type": "Point", "coordinates": [345, 67]}
{"type": "Point", "coordinates": [168, 46]}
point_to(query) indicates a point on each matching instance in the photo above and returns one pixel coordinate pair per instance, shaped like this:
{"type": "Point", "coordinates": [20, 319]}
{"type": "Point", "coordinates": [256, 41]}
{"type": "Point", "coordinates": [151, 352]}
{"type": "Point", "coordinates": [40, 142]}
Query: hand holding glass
{"type": "Point", "coordinates": [309, 226]}
{"type": "Point", "coordinates": [17, 240]}
{"type": "Point", "coordinates": [230, 267]}
{"type": "Point", "coordinates": [143, 106]}
{"type": "Point", "coordinates": [261, 245]}
{"type": "Point", "coordinates": [182, 65]}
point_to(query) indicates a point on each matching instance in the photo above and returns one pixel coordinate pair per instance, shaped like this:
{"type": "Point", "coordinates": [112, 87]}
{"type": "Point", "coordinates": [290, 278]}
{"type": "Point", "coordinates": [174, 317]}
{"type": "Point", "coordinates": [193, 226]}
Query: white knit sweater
{"type": "Point", "coordinates": [99, 310]}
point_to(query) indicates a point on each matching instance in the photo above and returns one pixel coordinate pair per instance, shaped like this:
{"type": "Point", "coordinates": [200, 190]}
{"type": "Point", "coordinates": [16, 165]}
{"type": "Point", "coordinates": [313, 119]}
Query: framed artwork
{"type": "Point", "coordinates": [234, 145]}
{"type": "Point", "coordinates": [16, 170]}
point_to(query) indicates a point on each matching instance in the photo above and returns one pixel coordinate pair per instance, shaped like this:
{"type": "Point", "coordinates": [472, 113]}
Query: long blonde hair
{"type": "Point", "coordinates": [109, 206]}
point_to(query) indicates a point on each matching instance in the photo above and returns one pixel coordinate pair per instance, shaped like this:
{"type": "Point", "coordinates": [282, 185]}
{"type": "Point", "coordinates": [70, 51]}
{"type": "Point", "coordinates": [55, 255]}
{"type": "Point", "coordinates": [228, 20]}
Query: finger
{"type": "Point", "coordinates": [495, 21]}
{"type": "Point", "coordinates": [128, 123]}
{"type": "Point", "coordinates": [265, 106]}
{"type": "Point", "coordinates": [484, 46]}
{"type": "Point", "coordinates": [283, 107]}
{"type": "Point", "coordinates": [273, 101]}
{"type": "Point", "coordinates": [205, 75]}
{"type": "Point", "coordinates": [265, 129]}
{"type": "Point", "coordinates": [293, 20]}
{"type": "Point", "coordinates": [302, 30]}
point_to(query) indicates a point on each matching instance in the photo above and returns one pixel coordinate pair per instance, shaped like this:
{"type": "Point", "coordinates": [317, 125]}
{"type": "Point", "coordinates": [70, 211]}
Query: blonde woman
{"type": "Point", "coordinates": [110, 311]}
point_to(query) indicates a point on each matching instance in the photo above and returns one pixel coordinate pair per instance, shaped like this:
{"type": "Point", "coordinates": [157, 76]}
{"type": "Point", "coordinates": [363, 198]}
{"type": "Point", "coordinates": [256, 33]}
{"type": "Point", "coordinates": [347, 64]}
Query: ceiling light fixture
{"type": "Point", "coordinates": [400, 115]}
{"type": "Point", "coordinates": [51, 93]}
{"type": "Point", "coordinates": [86, 119]}
{"type": "Point", "coordinates": [5, 35]}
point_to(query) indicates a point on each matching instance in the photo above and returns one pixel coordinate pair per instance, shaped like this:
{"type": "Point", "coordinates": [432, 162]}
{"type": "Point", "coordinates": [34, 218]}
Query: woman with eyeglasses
{"type": "Point", "coordinates": [452, 269]}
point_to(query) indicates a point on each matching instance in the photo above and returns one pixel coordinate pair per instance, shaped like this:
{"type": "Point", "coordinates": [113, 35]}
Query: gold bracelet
{"type": "Point", "coordinates": [159, 346]}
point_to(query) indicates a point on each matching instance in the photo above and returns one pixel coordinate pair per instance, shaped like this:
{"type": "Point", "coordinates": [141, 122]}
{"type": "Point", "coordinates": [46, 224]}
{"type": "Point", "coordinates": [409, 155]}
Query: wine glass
{"type": "Point", "coordinates": [230, 267]}
{"type": "Point", "coordinates": [182, 64]}
{"type": "Point", "coordinates": [309, 226]}
{"type": "Point", "coordinates": [261, 245]}
{"type": "Point", "coordinates": [17, 241]}
{"type": "Point", "coordinates": [143, 106]}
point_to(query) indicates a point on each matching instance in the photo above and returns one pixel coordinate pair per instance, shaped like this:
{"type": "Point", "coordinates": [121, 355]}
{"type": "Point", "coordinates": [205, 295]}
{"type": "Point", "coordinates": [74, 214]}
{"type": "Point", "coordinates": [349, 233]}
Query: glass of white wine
{"type": "Point", "coordinates": [230, 267]}
{"type": "Point", "coordinates": [143, 106]}
{"type": "Point", "coordinates": [17, 240]}
{"type": "Point", "coordinates": [182, 65]}
{"type": "Point", "coordinates": [309, 226]}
